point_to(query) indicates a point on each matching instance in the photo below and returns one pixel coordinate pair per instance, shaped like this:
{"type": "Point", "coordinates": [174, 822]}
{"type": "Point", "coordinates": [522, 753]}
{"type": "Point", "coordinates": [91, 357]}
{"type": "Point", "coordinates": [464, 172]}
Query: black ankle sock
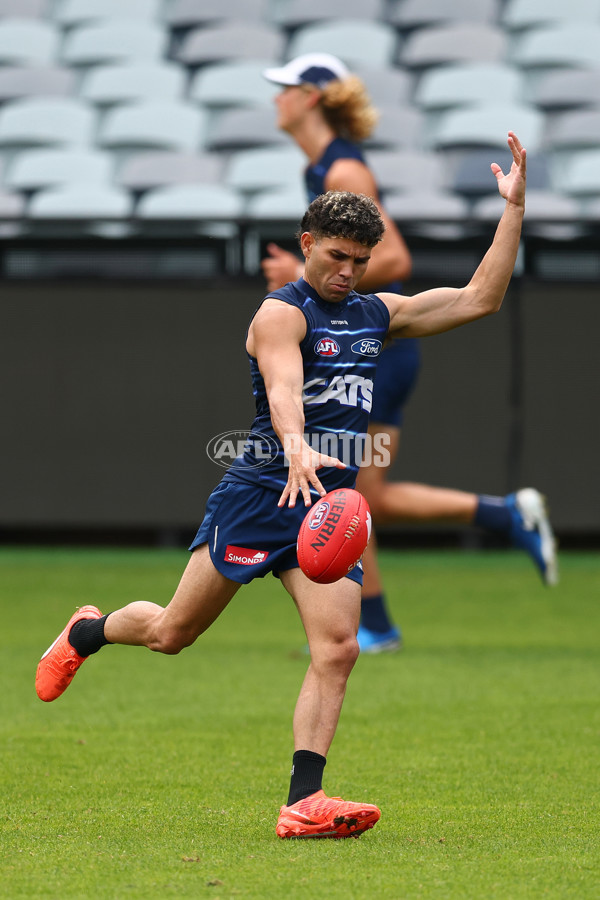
{"type": "Point", "coordinates": [373, 614]}
{"type": "Point", "coordinates": [87, 635]}
{"type": "Point", "coordinates": [307, 775]}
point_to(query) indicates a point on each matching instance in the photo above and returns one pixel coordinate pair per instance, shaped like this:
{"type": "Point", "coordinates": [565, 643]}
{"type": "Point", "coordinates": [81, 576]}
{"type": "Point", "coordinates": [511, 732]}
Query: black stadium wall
{"type": "Point", "coordinates": [112, 391]}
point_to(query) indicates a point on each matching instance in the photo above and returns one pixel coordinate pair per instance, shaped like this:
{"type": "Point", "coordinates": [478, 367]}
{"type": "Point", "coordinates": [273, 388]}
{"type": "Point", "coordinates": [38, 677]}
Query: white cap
{"type": "Point", "coordinates": [310, 68]}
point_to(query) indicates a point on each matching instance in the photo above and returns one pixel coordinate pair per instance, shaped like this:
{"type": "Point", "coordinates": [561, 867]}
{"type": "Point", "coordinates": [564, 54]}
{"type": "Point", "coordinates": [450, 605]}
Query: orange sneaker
{"type": "Point", "coordinates": [320, 816]}
{"type": "Point", "coordinates": [56, 669]}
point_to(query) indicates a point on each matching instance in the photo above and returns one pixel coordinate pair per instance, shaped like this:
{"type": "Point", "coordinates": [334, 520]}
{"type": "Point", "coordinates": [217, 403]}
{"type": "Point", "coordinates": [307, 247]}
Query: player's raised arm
{"type": "Point", "coordinates": [441, 309]}
{"type": "Point", "coordinates": [274, 339]}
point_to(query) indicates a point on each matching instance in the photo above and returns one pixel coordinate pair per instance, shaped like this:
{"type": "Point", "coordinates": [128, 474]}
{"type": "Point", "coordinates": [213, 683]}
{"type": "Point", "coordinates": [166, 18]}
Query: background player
{"type": "Point", "coordinates": [327, 111]}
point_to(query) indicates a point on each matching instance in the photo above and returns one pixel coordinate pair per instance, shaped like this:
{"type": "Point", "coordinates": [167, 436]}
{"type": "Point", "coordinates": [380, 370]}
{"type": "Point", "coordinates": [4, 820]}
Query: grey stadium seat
{"type": "Point", "coordinates": [233, 84]}
{"type": "Point", "coordinates": [574, 44]}
{"type": "Point", "coordinates": [27, 42]}
{"type": "Point", "coordinates": [474, 177]}
{"type": "Point", "coordinates": [191, 201]}
{"type": "Point", "coordinates": [75, 12]}
{"type": "Point", "coordinates": [567, 88]}
{"type": "Point", "coordinates": [35, 81]}
{"type": "Point", "coordinates": [159, 168]}
{"type": "Point", "coordinates": [356, 42]}
{"type": "Point", "coordinates": [386, 86]}
{"type": "Point", "coordinates": [453, 43]}
{"type": "Point", "coordinates": [488, 125]}
{"type": "Point", "coordinates": [115, 41]}
{"type": "Point", "coordinates": [547, 214]}
{"type": "Point", "coordinates": [286, 204]}
{"type": "Point", "coordinates": [238, 128]}
{"type": "Point", "coordinates": [34, 169]}
{"type": "Point", "coordinates": [258, 169]}
{"type": "Point", "coordinates": [81, 201]}
{"type": "Point", "coordinates": [296, 13]}
{"type": "Point", "coordinates": [408, 14]}
{"type": "Point", "coordinates": [576, 129]}
{"type": "Point", "coordinates": [527, 13]}
{"type": "Point", "coordinates": [23, 9]}
{"type": "Point", "coordinates": [464, 83]}
{"type": "Point", "coordinates": [581, 174]}
{"type": "Point", "coordinates": [153, 124]}
{"type": "Point", "coordinates": [398, 127]}
{"type": "Point", "coordinates": [133, 81]}
{"type": "Point", "coordinates": [436, 214]}
{"type": "Point", "coordinates": [401, 170]}
{"type": "Point", "coordinates": [48, 121]}
{"type": "Point", "coordinates": [230, 41]}
{"type": "Point", "coordinates": [189, 13]}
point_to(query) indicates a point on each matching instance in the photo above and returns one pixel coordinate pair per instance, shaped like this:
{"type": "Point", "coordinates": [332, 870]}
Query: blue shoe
{"type": "Point", "coordinates": [531, 531]}
{"type": "Point", "coordinates": [379, 642]}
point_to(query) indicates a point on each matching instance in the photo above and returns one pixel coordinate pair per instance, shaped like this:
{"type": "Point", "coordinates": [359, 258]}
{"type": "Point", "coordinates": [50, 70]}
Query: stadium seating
{"type": "Point", "coordinates": [233, 84]}
{"type": "Point", "coordinates": [487, 124]}
{"type": "Point", "coordinates": [579, 128]}
{"type": "Point", "coordinates": [562, 89]}
{"type": "Point", "coordinates": [230, 41]}
{"type": "Point", "coordinates": [24, 9]}
{"type": "Point", "coordinates": [401, 170]}
{"type": "Point", "coordinates": [398, 127]}
{"type": "Point", "coordinates": [35, 81]}
{"type": "Point", "coordinates": [235, 129]}
{"type": "Point", "coordinates": [256, 169]}
{"type": "Point", "coordinates": [473, 177]}
{"type": "Point", "coordinates": [34, 169]}
{"type": "Point", "coordinates": [27, 42]}
{"type": "Point", "coordinates": [48, 121]}
{"type": "Point", "coordinates": [114, 41]}
{"type": "Point", "coordinates": [580, 175]}
{"type": "Point", "coordinates": [409, 14]}
{"type": "Point", "coordinates": [135, 95]}
{"type": "Point", "coordinates": [295, 13]}
{"type": "Point", "coordinates": [466, 83]}
{"type": "Point", "coordinates": [190, 13]}
{"type": "Point", "coordinates": [191, 201]}
{"type": "Point", "coordinates": [355, 41]}
{"type": "Point", "coordinates": [574, 44]}
{"type": "Point", "coordinates": [74, 12]}
{"type": "Point", "coordinates": [153, 124]}
{"type": "Point", "coordinates": [81, 201]}
{"type": "Point", "coordinates": [453, 43]}
{"type": "Point", "coordinates": [105, 85]}
{"type": "Point", "coordinates": [285, 204]}
{"type": "Point", "coordinates": [152, 169]}
{"type": "Point", "coordinates": [528, 13]}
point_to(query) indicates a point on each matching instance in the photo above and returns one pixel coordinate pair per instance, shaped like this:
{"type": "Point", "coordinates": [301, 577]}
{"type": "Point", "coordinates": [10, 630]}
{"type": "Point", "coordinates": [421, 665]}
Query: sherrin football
{"type": "Point", "coordinates": [333, 535]}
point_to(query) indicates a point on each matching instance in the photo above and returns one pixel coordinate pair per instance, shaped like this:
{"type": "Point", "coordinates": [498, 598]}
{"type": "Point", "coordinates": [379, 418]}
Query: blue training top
{"type": "Point", "coordinates": [339, 353]}
{"type": "Point", "coordinates": [314, 176]}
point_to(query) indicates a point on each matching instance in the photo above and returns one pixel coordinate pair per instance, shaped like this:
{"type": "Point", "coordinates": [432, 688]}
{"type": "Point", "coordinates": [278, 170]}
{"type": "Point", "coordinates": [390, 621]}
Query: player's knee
{"type": "Point", "coordinates": [338, 655]}
{"type": "Point", "coordinates": [172, 641]}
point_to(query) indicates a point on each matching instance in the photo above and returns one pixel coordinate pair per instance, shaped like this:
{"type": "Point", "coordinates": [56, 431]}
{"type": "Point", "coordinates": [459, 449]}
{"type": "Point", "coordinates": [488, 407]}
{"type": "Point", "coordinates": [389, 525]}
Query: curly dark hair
{"type": "Point", "coordinates": [345, 215]}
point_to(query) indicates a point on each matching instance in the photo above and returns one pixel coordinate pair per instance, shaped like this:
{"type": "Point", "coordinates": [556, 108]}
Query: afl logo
{"type": "Point", "coordinates": [327, 347]}
{"type": "Point", "coordinates": [367, 347]}
{"type": "Point", "coordinates": [318, 516]}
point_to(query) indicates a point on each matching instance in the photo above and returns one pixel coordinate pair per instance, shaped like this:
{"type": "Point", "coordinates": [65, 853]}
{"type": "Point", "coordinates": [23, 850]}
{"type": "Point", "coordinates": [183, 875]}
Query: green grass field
{"type": "Point", "coordinates": [157, 777]}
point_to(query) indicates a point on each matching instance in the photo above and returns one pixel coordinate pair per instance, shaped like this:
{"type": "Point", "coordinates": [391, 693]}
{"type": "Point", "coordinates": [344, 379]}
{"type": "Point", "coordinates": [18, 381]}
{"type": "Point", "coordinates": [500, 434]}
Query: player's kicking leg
{"type": "Point", "coordinates": [202, 594]}
{"type": "Point", "coordinates": [330, 616]}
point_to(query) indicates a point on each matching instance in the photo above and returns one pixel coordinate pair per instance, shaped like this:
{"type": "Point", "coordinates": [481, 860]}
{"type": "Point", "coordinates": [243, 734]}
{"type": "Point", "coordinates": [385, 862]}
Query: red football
{"type": "Point", "coordinates": [333, 535]}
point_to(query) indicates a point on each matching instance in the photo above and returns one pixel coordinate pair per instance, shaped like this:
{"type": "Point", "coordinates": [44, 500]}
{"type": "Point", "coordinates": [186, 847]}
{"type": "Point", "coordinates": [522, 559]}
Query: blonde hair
{"type": "Point", "coordinates": [348, 109]}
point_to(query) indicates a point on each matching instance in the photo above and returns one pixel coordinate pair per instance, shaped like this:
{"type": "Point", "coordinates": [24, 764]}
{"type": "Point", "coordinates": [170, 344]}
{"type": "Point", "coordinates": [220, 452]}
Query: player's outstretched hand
{"type": "Point", "coordinates": [512, 185]}
{"type": "Point", "coordinates": [303, 465]}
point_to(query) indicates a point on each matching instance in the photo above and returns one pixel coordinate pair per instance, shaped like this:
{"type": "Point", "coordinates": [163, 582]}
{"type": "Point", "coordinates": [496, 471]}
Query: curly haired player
{"type": "Point", "coordinates": [309, 373]}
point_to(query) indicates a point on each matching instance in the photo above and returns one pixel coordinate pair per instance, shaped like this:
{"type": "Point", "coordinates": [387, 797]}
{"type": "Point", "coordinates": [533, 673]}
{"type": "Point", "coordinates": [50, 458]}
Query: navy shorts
{"type": "Point", "coordinates": [248, 535]}
{"type": "Point", "coordinates": [397, 373]}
